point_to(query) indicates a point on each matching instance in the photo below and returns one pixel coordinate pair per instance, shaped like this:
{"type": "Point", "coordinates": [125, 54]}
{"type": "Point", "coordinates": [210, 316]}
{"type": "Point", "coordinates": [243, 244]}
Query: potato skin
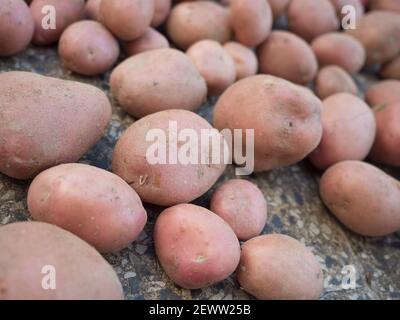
{"type": "Point", "coordinates": [162, 9]}
{"type": "Point", "coordinates": [195, 247]}
{"type": "Point", "coordinates": [383, 93]}
{"type": "Point", "coordinates": [150, 40]}
{"type": "Point", "coordinates": [16, 27]}
{"type": "Point", "coordinates": [391, 70]}
{"type": "Point", "coordinates": [94, 204]}
{"type": "Point", "coordinates": [92, 9]}
{"type": "Point", "coordinates": [246, 63]}
{"type": "Point", "coordinates": [364, 198]}
{"type": "Point", "coordinates": [157, 80]}
{"type": "Point", "coordinates": [389, 5]}
{"type": "Point", "coordinates": [287, 56]}
{"type": "Point", "coordinates": [291, 112]}
{"type": "Point", "coordinates": [348, 131]}
{"type": "Point", "coordinates": [46, 121]}
{"type": "Point", "coordinates": [163, 184]}
{"type": "Point", "coordinates": [81, 272]}
{"type": "Point", "coordinates": [278, 267]}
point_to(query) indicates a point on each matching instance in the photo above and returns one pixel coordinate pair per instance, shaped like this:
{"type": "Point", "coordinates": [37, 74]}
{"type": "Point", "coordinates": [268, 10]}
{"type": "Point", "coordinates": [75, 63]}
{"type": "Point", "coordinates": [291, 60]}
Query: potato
{"type": "Point", "coordinates": [278, 7]}
{"type": "Point", "coordinates": [245, 60]}
{"type": "Point", "coordinates": [31, 252]}
{"type": "Point", "coordinates": [278, 267]}
{"type": "Point", "coordinates": [390, 5]}
{"type": "Point", "coordinates": [391, 70]}
{"type": "Point", "coordinates": [194, 21]}
{"type": "Point", "coordinates": [162, 9]}
{"type": "Point", "coordinates": [383, 93]}
{"type": "Point", "coordinates": [150, 40]}
{"type": "Point", "coordinates": [379, 33]}
{"type": "Point", "coordinates": [66, 13]}
{"type": "Point", "coordinates": [364, 198]}
{"type": "Point", "coordinates": [356, 4]}
{"type": "Point", "coordinates": [166, 182]}
{"type": "Point", "coordinates": [215, 65]}
{"type": "Point", "coordinates": [195, 247]}
{"type": "Point", "coordinates": [157, 80]}
{"type": "Point", "coordinates": [46, 121]}
{"type": "Point", "coordinates": [242, 205]}
{"type": "Point", "coordinates": [94, 204]}
{"type": "Point", "coordinates": [333, 79]}
{"type": "Point", "coordinates": [348, 131]}
{"type": "Point", "coordinates": [92, 9]}
{"type": "Point", "coordinates": [291, 112]}
{"type": "Point", "coordinates": [251, 21]}
{"type": "Point", "coordinates": [310, 18]}
{"type": "Point", "coordinates": [88, 48]}
{"type": "Point", "coordinates": [16, 27]}
{"type": "Point", "coordinates": [339, 49]}
{"type": "Point", "coordinates": [127, 19]}
{"type": "Point", "coordinates": [287, 56]}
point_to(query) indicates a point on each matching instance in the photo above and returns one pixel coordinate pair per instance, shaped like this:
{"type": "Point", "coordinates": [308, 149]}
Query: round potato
{"type": "Point", "coordinates": [278, 267]}
{"type": "Point", "coordinates": [245, 60]}
{"type": "Point", "coordinates": [391, 70]}
{"type": "Point", "coordinates": [92, 203]}
{"type": "Point", "coordinates": [162, 9]}
{"type": "Point", "coordinates": [356, 4]}
{"type": "Point", "coordinates": [242, 205]}
{"type": "Point", "coordinates": [364, 198]}
{"type": "Point", "coordinates": [293, 115]}
{"type": "Point", "coordinates": [196, 248]}
{"type": "Point", "coordinates": [389, 5]}
{"type": "Point", "coordinates": [287, 56]}
{"type": "Point", "coordinates": [92, 9]}
{"type": "Point", "coordinates": [150, 40]}
{"type": "Point", "coordinates": [31, 252]}
{"type": "Point", "coordinates": [383, 93]}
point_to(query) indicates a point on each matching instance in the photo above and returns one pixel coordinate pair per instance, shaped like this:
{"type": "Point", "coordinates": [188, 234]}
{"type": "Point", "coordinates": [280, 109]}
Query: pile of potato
{"type": "Point", "coordinates": [294, 86]}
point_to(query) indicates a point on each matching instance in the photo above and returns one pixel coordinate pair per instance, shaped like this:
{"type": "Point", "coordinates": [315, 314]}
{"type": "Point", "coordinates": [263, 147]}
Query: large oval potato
{"type": "Point", "coordinates": [157, 80]}
{"type": "Point", "coordinates": [383, 93]}
{"type": "Point", "coordinates": [391, 70]}
{"type": "Point", "coordinates": [246, 63]}
{"type": "Point", "coordinates": [364, 198]}
{"type": "Point", "coordinates": [46, 121]}
{"type": "Point", "coordinates": [278, 267]}
{"type": "Point", "coordinates": [92, 203]}
{"type": "Point", "coordinates": [32, 252]}
{"type": "Point", "coordinates": [150, 40]}
{"type": "Point", "coordinates": [162, 9]}
{"type": "Point", "coordinates": [196, 248]}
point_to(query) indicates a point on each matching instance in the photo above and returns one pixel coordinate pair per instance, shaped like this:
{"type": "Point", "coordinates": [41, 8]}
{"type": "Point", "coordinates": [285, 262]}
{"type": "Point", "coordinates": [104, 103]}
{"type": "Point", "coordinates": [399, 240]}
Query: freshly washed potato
{"type": "Point", "coordinates": [94, 204]}
{"type": "Point", "coordinates": [16, 27]}
{"type": "Point", "coordinates": [31, 252]}
{"type": "Point", "coordinates": [46, 121]}
{"type": "Point", "coordinates": [150, 40]}
{"type": "Point", "coordinates": [287, 56]}
{"type": "Point", "coordinates": [88, 48]}
{"type": "Point", "coordinates": [162, 9]}
{"type": "Point", "coordinates": [242, 205]}
{"type": "Point", "coordinates": [195, 247]}
{"type": "Point", "coordinates": [245, 60]}
{"type": "Point", "coordinates": [66, 13]}
{"type": "Point", "coordinates": [139, 160]}
{"type": "Point", "coordinates": [339, 49]}
{"type": "Point", "coordinates": [92, 9]}
{"type": "Point", "coordinates": [194, 21]}
{"type": "Point", "coordinates": [278, 267]}
{"type": "Point", "coordinates": [333, 79]}
{"type": "Point", "coordinates": [278, 7]}
{"type": "Point", "coordinates": [293, 115]}
{"type": "Point", "coordinates": [157, 80]}
{"type": "Point", "coordinates": [310, 18]}
{"type": "Point", "coordinates": [348, 131]}
{"type": "Point", "coordinates": [356, 4]}
{"type": "Point", "coordinates": [391, 70]}
{"type": "Point", "coordinates": [389, 5]}
{"type": "Point", "coordinates": [127, 19]}
{"type": "Point", "coordinates": [383, 93]}
{"type": "Point", "coordinates": [364, 198]}
{"type": "Point", "coordinates": [251, 21]}
{"type": "Point", "coordinates": [215, 65]}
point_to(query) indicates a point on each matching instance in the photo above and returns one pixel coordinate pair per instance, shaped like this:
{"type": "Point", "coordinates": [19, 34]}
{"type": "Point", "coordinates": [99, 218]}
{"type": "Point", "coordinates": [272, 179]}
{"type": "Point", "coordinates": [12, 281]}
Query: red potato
{"type": "Point", "coordinates": [150, 40]}
{"type": "Point", "coordinates": [92, 9]}
{"type": "Point", "coordinates": [391, 70]}
{"type": "Point", "coordinates": [195, 247]}
{"type": "Point", "coordinates": [162, 9]}
{"type": "Point", "coordinates": [245, 60]}
{"type": "Point", "coordinates": [383, 93]}
{"type": "Point", "coordinates": [389, 5]}
{"type": "Point", "coordinates": [356, 4]}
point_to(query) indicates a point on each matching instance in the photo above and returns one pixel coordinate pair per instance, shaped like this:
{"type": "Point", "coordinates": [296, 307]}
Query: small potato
{"type": "Point", "coordinates": [196, 248]}
{"type": "Point", "coordinates": [278, 267]}
{"type": "Point", "coordinates": [162, 9]}
{"type": "Point", "coordinates": [251, 21]}
{"type": "Point", "coordinates": [33, 251]}
{"type": "Point", "coordinates": [127, 19]}
{"type": "Point", "coordinates": [291, 112]}
{"type": "Point", "coordinates": [16, 27]}
{"type": "Point", "coordinates": [389, 5]}
{"type": "Point", "coordinates": [157, 80]}
{"type": "Point", "coordinates": [340, 4]}
{"type": "Point", "coordinates": [383, 93]}
{"type": "Point", "coordinates": [150, 40]}
{"type": "Point", "coordinates": [339, 49]}
{"type": "Point", "coordinates": [242, 205]}
{"type": "Point", "coordinates": [88, 48]}
{"type": "Point", "coordinates": [92, 9]}
{"type": "Point", "coordinates": [66, 13]}
{"type": "Point", "coordinates": [364, 198]}
{"type": "Point", "coordinates": [333, 79]}
{"type": "Point", "coordinates": [246, 63]}
{"type": "Point", "coordinates": [348, 131]}
{"type": "Point", "coordinates": [287, 56]}
{"type": "Point", "coordinates": [278, 7]}
{"type": "Point", "coordinates": [310, 18]}
{"type": "Point", "coordinates": [194, 21]}
{"type": "Point", "coordinates": [391, 70]}
{"type": "Point", "coordinates": [215, 65]}
{"type": "Point", "coordinates": [94, 204]}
